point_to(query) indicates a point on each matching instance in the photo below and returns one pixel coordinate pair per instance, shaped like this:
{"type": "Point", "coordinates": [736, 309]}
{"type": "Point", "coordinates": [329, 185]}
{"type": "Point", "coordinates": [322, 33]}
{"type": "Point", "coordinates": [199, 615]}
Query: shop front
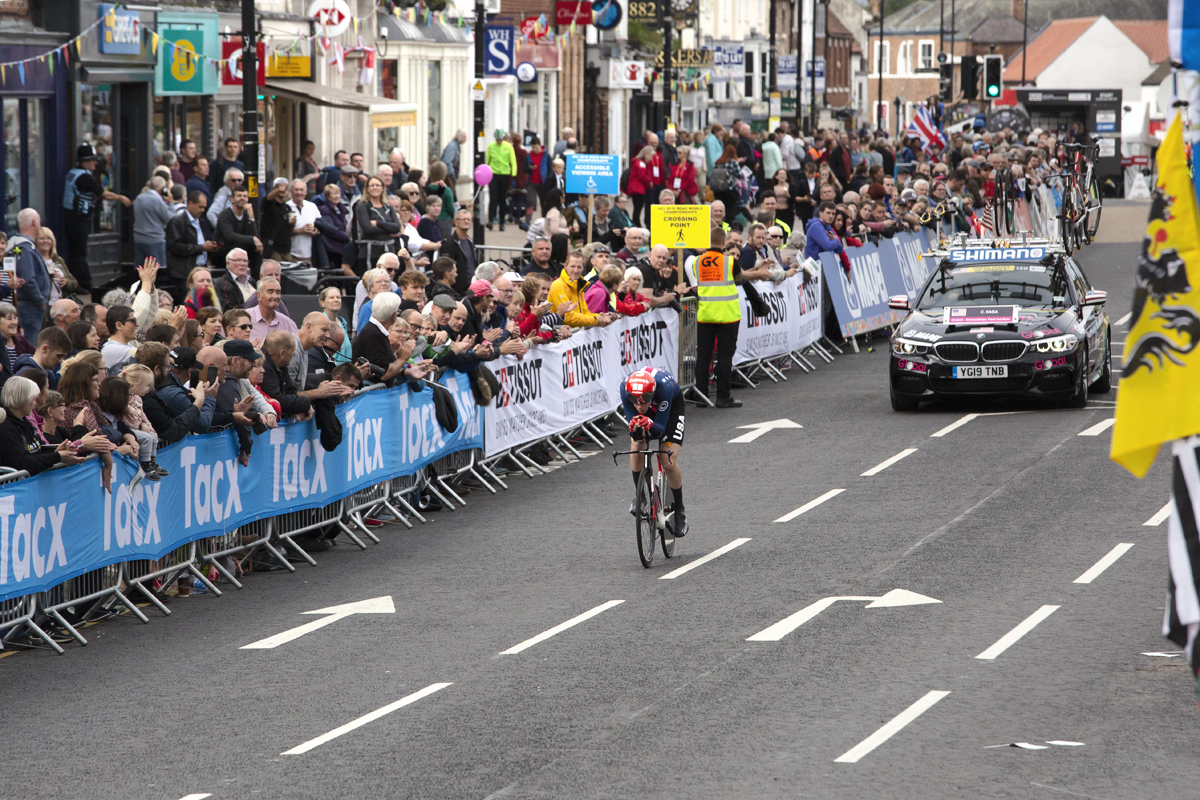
{"type": "Point", "coordinates": [34, 157]}
{"type": "Point", "coordinates": [184, 85]}
{"type": "Point", "coordinates": [109, 102]}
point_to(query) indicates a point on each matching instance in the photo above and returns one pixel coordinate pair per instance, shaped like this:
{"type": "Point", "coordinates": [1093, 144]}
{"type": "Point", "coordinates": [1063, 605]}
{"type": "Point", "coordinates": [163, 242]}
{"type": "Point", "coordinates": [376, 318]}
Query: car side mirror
{"type": "Point", "coordinates": [1095, 298]}
{"type": "Point", "coordinates": [900, 302]}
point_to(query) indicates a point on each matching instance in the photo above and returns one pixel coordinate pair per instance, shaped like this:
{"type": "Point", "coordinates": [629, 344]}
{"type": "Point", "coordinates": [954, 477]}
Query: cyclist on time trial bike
{"type": "Point", "coordinates": [654, 392]}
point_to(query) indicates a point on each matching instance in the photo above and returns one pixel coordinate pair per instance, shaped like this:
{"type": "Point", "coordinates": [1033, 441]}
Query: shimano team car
{"type": "Point", "coordinates": [996, 318]}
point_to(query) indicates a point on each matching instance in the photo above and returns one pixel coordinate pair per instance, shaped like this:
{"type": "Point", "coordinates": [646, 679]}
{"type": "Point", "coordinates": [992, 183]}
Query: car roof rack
{"type": "Point", "coordinates": [1052, 245]}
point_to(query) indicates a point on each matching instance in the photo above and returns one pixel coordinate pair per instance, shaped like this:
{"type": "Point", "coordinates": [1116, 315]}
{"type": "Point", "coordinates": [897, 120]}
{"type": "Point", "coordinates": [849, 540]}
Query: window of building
{"type": "Point", "coordinates": [886, 60]}
{"type": "Point", "coordinates": [750, 93]}
{"type": "Point", "coordinates": [435, 110]}
{"type": "Point", "coordinates": [96, 112]}
{"type": "Point", "coordinates": [902, 60]}
{"type": "Point", "coordinates": [24, 162]}
{"type": "Point", "coordinates": [819, 20]}
{"type": "Point", "coordinates": [927, 61]}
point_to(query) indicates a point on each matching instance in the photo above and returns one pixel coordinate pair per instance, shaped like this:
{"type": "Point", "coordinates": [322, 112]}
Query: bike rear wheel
{"type": "Point", "coordinates": [644, 517]}
{"type": "Point", "coordinates": [1065, 223]}
{"type": "Point", "coordinates": [1095, 205]}
{"type": "Point", "coordinates": [667, 534]}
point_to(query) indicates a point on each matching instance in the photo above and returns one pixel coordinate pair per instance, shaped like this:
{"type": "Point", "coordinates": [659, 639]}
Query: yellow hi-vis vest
{"type": "Point", "coordinates": [716, 289]}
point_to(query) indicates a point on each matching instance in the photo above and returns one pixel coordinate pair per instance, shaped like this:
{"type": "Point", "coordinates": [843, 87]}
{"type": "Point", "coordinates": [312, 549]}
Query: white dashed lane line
{"type": "Point", "coordinates": [897, 724]}
{"type": "Point", "coordinates": [195, 797]}
{"type": "Point", "coordinates": [1015, 635]}
{"type": "Point", "coordinates": [720, 551]}
{"type": "Point", "coordinates": [557, 629]}
{"type": "Point", "coordinates": [1159, 517]}
{"type": "Point", "coordinates": [363, 720]}
{"type": "Point", "coordinates": [1098, 428]}
{"type": "Point", "coordinates": [810, 505]}
{"type": "Point", "coordinates": [1124, 319]}
{"type": "Point", "coordinates": [878, 468]}
{"type": "Point", "coordinates": [1104, 563]}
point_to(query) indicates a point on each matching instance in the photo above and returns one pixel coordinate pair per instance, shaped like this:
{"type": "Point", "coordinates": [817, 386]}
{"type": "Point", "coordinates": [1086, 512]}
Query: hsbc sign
{"type": "Point", "coordinates": [332, 16]}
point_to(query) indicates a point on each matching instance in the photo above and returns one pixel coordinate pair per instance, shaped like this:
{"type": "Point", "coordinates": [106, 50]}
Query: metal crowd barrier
{"type": "Point", "coordinates": [87, 597]}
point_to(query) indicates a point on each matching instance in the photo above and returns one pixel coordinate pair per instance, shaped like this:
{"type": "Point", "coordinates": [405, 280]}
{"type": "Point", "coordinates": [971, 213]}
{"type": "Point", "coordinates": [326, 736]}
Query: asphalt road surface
{"type": "Point", "coordinates": [688, 687]}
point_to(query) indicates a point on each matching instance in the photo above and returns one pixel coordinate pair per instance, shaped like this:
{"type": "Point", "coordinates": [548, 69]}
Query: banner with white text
{"type": "Point", "coordinates": [63, 523]}
{"type": "Point", "coordinates": [559, 386]}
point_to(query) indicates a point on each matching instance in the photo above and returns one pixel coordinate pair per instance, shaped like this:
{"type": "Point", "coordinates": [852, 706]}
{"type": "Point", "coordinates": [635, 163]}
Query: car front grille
{"type": "Point", "coordinates": [1003, 351]}
{"type": "Point", "coordinates": [957, 352]}
{"type": "Point", "coordinates": [980, 385]}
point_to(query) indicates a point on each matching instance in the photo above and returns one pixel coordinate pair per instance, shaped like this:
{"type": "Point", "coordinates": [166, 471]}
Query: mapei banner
{"type": "Point", "coordinates": [63, 523]}
{"type": "Point", "coordinates": [877, 272]}
{"type": "Point", "coordinates": [792, 321]}
{"type": "Point", "coordinates": [556, 387]}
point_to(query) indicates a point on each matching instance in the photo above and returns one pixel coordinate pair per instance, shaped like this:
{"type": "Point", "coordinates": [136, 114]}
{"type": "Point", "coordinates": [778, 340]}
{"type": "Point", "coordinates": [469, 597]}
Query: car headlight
{"type": "Point", "coordinates": [1057, 344]}
{"type": "Point", "coordinates": [908, 347]}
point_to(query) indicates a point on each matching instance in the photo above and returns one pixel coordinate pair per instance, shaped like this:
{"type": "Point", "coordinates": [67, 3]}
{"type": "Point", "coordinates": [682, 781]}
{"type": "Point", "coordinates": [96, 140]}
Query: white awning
{"type": "Point", "coordinates": [319, 94]}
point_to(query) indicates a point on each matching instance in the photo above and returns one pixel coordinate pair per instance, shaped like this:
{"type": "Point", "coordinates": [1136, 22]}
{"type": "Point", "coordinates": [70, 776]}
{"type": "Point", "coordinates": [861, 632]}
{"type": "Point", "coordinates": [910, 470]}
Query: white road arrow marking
{"type": "Point", "coordinates": [896, 597]}
{"type": "Point", "coordinates": [376, 605]}
{"type": "Point", "coordinates": [759, 428]}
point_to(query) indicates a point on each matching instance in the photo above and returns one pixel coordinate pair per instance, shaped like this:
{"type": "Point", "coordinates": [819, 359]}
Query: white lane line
{"type": "Point", "coordinates": [1159, 517]}
{"type": "Point", "coordinates": [788, 624]}
{"type": "Point", "coordinates": [363, 720]}
{"type": "Point", "coordinates": [878, 468]}
{"type": "Point", "coordinates": [571, 623]}
{"type": "Point", "coordinates": [720, 551]}
{"type": "Point", "coordinates": [897, 724]}
{"type": "Point", "coordinates": [195, 797]}
{"type": "Point", "coordinates": [1013, 636]}
{"type": "Point", "coordinates": [953, 426]}
{"type": "Point", "coordinates": [1104, 563]}
{"type": "Point", "coordinates": [1125, 318]}
{"type": "Point", "coordinates": [810, 505]}
{"type": "Point", "coordinates": [1098, 428]}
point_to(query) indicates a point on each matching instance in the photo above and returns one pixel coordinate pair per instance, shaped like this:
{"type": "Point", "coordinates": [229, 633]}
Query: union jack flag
{"type": "Point", "coordinates": [922, 126]}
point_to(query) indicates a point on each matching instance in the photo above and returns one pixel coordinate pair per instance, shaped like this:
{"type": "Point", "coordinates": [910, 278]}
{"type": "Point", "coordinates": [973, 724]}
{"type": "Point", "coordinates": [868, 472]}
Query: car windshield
{"type": "Point", "coordinates": [1025, 285]}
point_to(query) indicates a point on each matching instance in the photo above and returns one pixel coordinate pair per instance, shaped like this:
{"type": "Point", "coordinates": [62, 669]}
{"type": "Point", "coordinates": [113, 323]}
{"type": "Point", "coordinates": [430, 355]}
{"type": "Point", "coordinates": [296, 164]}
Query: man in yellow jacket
{"type": "Point", "coordinates": [502, 158]}
{"type": "Point", "coordinates": [568, 288]}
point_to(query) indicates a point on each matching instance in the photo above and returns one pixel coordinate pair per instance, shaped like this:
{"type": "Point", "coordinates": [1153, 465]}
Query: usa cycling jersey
{"type": "Point", "coordinates": [668, 398]}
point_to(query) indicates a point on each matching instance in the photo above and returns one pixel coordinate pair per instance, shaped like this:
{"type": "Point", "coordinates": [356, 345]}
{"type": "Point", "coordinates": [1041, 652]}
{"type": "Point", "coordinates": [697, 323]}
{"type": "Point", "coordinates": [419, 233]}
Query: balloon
{"type": "Point", "coordinates": [483, 174]}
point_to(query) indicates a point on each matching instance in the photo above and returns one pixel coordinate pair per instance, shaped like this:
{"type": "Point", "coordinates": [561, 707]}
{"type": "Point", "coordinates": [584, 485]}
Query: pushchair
{"type": "Point", "coordinates": [516, 206]}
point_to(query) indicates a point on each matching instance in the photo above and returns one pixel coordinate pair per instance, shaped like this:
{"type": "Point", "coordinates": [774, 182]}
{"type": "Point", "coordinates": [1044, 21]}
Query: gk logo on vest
{"type": "Point", "coordinates": [582, 364]}
{"type": "Point", "coordinates": [776, 310]}
{"type": "Point", "coordinates": [519, 383]}
{"type": "Point", "coordinates": [643, 343]}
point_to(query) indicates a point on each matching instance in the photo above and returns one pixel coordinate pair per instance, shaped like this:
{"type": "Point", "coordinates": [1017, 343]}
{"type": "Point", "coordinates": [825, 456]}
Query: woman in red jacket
{"type": "Point", "coordinates": [683, 179]}
{"type": "Point", "coordinates": [640, 183]}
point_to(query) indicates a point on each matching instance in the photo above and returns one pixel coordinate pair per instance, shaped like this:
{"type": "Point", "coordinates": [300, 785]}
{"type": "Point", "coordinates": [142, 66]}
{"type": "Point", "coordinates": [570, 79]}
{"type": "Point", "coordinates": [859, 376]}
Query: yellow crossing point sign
{"type": "Point", "coordinates": [680, 227]}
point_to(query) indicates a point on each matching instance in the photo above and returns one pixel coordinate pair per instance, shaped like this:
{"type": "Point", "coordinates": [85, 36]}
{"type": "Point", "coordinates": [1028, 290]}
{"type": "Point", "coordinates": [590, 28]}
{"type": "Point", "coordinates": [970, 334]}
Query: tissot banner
{"type": "Point", "coordinates": [558, 386]}
{"type": "Point", "coordinates": [63, 523]}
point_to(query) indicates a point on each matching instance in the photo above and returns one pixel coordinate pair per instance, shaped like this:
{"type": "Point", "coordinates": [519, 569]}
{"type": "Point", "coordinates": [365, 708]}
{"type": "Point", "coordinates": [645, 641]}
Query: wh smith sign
{"type": "Point", "coordinates": [498, 51]}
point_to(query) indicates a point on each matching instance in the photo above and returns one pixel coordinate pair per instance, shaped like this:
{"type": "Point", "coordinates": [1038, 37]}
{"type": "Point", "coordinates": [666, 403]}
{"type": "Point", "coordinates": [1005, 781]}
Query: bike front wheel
{"type": "Point", "coordinates": [644, 518]}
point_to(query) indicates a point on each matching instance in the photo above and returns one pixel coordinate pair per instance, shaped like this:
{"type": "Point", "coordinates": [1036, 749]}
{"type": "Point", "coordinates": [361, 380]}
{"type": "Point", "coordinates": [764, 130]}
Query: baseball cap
{"type": "Point", "coordinates": [185, 357]}
{"type": "Point", "coordinates": [445, 301]}
{"type": "Point", "coordinates": [280, 182]}
{"type": "Point", "coordinates": [241, 349]}
{"type": "Point", "coordinates": [480, 288]}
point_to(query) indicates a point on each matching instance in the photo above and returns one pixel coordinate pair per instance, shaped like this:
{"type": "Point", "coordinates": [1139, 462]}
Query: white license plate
{"type": "Point", "coordinates": [981, 372]}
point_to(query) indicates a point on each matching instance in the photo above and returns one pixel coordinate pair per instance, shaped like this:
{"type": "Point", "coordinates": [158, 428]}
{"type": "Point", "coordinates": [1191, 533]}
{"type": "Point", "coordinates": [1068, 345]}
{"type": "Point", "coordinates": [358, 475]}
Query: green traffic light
{"type": "Point", "coordinates": [993, 91]}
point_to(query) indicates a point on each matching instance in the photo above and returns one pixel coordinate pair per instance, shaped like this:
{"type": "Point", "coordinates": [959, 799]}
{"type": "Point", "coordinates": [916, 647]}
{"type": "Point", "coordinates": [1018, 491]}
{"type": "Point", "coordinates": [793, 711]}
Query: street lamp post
{"type": "Point", "coordinates": [879, 104]}
{"type": "Point", "coordinates": [480, 135]}
{"type": "Point", "coordinates": [250, 103]}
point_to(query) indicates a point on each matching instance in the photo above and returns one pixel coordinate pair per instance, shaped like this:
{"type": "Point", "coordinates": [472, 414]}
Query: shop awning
{"type": "Point", "coordinates": [318, 94]}
{"type": "Point", "coordinates": [402, 30]}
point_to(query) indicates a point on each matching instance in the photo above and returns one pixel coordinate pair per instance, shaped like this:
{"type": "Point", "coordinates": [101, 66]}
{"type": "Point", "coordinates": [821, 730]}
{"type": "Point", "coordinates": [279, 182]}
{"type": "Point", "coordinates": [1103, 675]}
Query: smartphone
{"type": "Point", "coordinates": [211, 376]}
{"type": "Point", "coordinates": [194, 378]}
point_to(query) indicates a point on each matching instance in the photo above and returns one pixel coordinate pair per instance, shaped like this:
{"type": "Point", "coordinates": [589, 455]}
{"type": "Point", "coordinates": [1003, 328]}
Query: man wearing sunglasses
{"type": "Point", "coordinates": [234, 179]}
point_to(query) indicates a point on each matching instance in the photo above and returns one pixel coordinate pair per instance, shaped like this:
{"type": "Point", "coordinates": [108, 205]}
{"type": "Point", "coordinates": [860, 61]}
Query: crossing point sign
{"type": "Point", "coordinates": [593, 174]}
{"type": "Point", "coordinates": [680, 227]}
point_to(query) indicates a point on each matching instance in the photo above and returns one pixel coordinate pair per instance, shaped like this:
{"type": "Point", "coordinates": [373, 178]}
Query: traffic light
{"type": "Point", "coordinates": [969, 77]}
{"type": "Point", "coordinates": [946, 82]}
{"type": "Point", "coordinates": [993, 83]}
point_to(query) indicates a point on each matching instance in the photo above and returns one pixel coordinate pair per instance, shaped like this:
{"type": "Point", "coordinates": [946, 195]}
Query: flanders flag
{"type": "Point", "coordinates": [1159, 398]}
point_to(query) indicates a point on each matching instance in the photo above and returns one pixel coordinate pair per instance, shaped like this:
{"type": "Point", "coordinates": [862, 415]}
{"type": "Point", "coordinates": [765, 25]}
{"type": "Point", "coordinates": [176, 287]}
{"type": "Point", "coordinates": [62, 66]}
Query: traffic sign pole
{"type": "Point", "coordinates": [480, 137]}
{"type": "Point", "coordinates": [250, 104]}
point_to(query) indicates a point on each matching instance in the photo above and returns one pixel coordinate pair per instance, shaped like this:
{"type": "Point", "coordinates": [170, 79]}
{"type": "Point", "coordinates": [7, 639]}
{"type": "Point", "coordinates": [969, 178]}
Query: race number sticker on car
{"type": "Point", "coordinates": [980, 315]}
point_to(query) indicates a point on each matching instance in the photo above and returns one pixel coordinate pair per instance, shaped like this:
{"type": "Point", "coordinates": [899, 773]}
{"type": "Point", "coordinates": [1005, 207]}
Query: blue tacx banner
{"type": "Point", "coordinates": [62, 523]}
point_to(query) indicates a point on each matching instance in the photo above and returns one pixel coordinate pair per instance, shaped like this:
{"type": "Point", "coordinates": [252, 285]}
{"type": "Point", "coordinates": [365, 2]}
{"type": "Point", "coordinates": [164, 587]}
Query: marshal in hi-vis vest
{"type": "Point", "coordinates": [716, 289]}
